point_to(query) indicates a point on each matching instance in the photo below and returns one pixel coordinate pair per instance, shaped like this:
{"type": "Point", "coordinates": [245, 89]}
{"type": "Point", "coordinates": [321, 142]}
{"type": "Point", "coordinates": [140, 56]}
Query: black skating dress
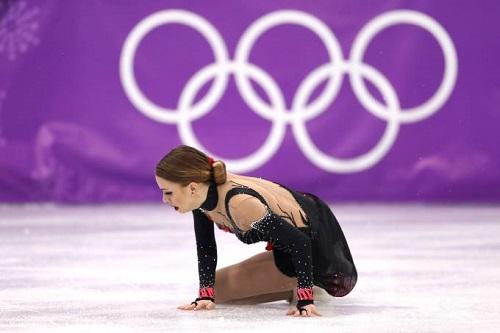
{"type": "Point", "coordinates": [333, 268]}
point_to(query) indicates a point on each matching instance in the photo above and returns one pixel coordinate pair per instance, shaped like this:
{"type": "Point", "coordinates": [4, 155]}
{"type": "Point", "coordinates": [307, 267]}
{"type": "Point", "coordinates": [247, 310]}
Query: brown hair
{"type": "Point", "coordinates": [185, 164]}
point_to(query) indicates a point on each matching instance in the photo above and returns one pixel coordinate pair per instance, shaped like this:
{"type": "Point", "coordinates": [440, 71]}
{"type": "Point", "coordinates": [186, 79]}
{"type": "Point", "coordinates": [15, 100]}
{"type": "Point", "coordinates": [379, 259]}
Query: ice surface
{"type": "Point", "coordinates": [125, 268]}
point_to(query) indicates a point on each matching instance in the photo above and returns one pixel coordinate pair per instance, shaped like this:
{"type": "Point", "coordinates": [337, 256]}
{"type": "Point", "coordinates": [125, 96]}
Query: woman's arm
{"type": "Point", "coordinates": [206, 249]}
{"type": "Point", "coordinates": [249, 213]}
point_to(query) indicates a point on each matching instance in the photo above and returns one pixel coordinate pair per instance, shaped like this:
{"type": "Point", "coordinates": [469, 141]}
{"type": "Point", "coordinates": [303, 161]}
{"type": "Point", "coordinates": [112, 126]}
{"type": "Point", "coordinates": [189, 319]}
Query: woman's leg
{"type": "Point", "coordinates": [264, 298]}
{"type": "Point", "coordinates": [254, 280]}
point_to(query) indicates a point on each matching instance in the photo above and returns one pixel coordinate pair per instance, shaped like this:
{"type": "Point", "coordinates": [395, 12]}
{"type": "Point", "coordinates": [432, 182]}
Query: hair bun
{"type": "Point", "coordinates": [219, 172]}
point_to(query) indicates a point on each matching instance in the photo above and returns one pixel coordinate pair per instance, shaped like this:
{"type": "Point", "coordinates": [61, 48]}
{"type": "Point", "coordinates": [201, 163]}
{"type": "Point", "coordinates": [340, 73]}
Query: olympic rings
{"type": "Point", "coordinates": [301, 110]}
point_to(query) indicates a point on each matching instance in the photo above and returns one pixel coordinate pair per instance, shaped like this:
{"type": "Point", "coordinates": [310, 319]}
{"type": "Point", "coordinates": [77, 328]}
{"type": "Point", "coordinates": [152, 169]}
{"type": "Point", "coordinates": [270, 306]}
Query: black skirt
{"type": "Point", "coordinates": [333, 267]}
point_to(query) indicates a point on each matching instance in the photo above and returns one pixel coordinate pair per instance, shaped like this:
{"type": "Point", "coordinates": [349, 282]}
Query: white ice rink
{"type": "Point", "coordinates": [126, 268]}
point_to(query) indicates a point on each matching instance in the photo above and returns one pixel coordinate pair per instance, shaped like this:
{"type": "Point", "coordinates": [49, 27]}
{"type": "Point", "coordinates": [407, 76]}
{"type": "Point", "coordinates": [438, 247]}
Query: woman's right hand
{"type": "Point", "coordinates": [198, 305]}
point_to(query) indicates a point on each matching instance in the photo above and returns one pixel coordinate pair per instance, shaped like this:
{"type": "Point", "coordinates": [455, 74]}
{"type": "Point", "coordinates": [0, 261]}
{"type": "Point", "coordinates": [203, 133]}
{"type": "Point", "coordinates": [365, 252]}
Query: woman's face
{"type": "Point", "coordinates": [177, 196]}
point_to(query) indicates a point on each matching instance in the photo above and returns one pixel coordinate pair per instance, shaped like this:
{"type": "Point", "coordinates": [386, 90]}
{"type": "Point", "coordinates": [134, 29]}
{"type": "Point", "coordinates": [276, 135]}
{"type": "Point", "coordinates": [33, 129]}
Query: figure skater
{"type": "Point", "coordinates": [306, 245]}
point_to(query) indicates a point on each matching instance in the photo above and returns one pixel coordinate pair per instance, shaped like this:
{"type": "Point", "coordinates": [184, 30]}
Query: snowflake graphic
{"type": "Point", "coordinates": [18, 28]}
{"type": "Point", "coordinates": [3, 95]}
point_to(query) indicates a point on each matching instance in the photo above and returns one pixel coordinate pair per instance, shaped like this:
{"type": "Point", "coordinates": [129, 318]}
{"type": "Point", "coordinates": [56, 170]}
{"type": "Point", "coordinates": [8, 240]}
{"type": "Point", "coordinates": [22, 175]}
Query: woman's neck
{"type": "Point", "coordinates": [212, 198]}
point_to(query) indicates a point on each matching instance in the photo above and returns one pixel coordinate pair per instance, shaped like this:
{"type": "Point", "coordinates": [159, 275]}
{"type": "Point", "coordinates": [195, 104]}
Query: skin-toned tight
{"type": "Point", "coordinates": [254, 280]}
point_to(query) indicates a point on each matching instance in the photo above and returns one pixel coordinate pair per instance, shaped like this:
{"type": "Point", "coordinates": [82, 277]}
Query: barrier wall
{"type": "Point", "coordinates": [351, 100]}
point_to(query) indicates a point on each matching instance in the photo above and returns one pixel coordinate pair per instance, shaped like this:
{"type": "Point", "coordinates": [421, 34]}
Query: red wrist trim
{"type": "Point", "coordinates": [207, 292]}
{"type": "Point", "coordinates": [304, 294]}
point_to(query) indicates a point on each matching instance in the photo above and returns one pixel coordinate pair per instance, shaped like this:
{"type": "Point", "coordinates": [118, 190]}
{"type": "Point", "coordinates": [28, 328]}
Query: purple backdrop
{"type": "Point", "coordinates": [93, 93]}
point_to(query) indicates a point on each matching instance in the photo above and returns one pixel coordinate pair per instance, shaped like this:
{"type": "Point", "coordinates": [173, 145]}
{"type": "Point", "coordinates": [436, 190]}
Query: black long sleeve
{"type": "Point", "coordinates": [289, 239]}
{"type": "Point", "coordinates": [206, 249]}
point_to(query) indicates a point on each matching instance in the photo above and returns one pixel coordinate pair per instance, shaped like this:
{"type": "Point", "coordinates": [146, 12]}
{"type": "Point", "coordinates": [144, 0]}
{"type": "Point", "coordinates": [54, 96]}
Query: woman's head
{"type": "Point", "coordinates": [184, 175]}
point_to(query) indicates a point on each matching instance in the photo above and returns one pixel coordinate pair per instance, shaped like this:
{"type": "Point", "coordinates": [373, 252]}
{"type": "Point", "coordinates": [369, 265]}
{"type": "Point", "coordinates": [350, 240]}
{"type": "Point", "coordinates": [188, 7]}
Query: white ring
{"type": "Point", "coordinates": [273, 141]}
{"type": "Point", "coordinates": [383, 21]}
{"type": "Point", "coordinates": [134, 93]}
{"type": "Point", "coordinates": [370, 158]}
{"type": "Point", "coordinates": [253, 32]}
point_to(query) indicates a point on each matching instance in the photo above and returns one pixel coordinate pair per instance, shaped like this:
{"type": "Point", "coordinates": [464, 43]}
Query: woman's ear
{"type": "Point", "coordinates": [193, 187]}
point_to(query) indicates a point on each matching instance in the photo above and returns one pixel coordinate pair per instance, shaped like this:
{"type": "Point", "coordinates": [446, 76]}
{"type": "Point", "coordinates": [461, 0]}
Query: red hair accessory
{"type": "Point", "coordinates": [210, 160]}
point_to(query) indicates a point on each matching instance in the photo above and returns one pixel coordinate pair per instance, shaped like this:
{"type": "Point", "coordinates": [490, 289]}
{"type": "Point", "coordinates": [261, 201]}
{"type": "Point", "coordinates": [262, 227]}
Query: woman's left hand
{"type": "Point", "coordinates": [310, 311]}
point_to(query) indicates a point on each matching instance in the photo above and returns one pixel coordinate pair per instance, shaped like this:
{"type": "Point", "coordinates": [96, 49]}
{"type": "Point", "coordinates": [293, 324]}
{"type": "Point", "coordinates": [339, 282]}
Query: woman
{"type": "Point", "coordinates": [306, 245]}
